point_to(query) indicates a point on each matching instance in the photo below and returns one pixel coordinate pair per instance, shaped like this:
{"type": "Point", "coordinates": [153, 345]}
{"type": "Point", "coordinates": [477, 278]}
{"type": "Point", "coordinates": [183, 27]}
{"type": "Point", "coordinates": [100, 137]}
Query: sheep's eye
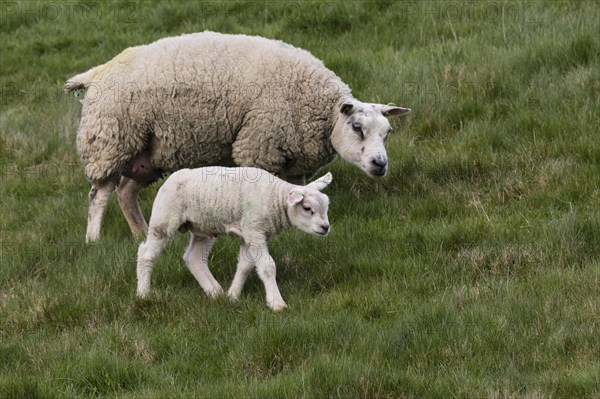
{"type": "Point", "coordinates": [387, 135]}
{"type": "Point", "coordinates": [357, 127]}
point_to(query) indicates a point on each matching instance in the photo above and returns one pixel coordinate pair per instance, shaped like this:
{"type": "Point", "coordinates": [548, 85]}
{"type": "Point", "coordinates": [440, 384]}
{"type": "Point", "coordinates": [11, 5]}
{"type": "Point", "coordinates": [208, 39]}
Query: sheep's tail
{"type": "Point", "coordinates": [81, 81]}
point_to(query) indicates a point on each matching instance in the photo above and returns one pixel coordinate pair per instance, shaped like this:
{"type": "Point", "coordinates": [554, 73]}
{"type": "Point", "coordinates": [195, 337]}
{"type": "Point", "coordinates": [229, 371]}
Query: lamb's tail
{"type": "Point", "coordinates": [81, 81]}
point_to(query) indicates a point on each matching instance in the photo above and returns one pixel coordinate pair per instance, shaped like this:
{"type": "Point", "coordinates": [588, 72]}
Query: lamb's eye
{"type": "Point", "coordinates": [307, 209]}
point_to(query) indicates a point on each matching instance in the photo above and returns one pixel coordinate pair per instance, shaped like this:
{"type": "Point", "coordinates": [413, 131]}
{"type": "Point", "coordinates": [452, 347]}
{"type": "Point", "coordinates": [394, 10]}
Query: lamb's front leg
{"type": "Point", "coordinates": [244, 267]}
{"type": "Point", "coordinates": [196, 258]}
{"type": "Point", "coordinates": [265, 266]}
{"type": "Point", "coordinates": [148, 254]}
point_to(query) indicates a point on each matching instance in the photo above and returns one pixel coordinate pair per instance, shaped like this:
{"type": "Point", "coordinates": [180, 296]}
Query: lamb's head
{"type": "Point", "coordinates": [307, 206]}
{"type": "Point", "coordinates": [360, 133]}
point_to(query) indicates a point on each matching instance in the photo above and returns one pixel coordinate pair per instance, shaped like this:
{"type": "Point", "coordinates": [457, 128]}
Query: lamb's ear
{"type": "Point", "coordinates": [294, 197]}
{"type": "Point", "coordinates": [322, 182]}
{"type": "Point", "coordinates": [391, 110]}
{"type": "Point", "coordinates": [347, 107]}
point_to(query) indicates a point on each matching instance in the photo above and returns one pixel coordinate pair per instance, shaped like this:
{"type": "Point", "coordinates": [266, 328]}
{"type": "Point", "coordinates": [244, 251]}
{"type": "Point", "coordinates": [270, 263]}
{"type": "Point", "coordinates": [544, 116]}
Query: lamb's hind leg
{"type": "Point", "coordinates": [98, 200]}
{"type": "Point", "coordinates": [127, 194]}
{"type": "Point", "coordinates": [196, 259]}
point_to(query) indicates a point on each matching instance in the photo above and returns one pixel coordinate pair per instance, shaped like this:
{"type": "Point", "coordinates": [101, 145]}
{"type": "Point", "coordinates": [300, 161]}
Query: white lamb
{"type": "Point", "coordinates": [207, 99]}
{"type": "Point", "coordinates": [248, 202]}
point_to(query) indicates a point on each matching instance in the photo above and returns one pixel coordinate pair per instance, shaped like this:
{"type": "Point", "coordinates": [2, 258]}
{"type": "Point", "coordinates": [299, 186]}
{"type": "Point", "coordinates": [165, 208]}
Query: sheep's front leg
{"type": "Point", "coordinates": [127, 194]}
{"type": "Point", "coordinates": [265, 266]}
{"type": "Point", "coordinates": [148, 254]}
{"type": "Point", "coordinates": [98, 201]}
{"type": "Point", "coordinates": [196, 258]}
{"type": "Point", "coordinates": [244, 267]}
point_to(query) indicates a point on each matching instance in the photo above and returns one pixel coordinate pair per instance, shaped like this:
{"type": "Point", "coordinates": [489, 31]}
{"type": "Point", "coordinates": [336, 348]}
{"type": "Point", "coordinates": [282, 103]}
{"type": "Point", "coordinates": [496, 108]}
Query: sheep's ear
{"type": "Point", "coordinates": [322, 182]}
{"type": "Point", "coordinates": [346, 108]}
{"type": "Point", "coordinates": [295, 197]}
{"type": "Point", "coordinates": [391, 110]}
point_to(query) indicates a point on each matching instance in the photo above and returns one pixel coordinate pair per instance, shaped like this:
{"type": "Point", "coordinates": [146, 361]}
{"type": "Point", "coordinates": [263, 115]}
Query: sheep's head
{"type": "Point", "coordinates": [307, 206]}
{"type": "Point", "coordinates": [360, 133]}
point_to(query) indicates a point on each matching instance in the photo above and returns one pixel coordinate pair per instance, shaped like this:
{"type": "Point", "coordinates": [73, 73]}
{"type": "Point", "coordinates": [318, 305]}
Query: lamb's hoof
{"type": "Point", "coordinates": [233, 296]}
{"type": "Point", "coordinates": [279, 307]}
{"type": "Point", "coordinates": [215, 293]}
{"type": "Point", "coordinates": [91, 238]}
{"type": "Point", "coordinates": [142, 294]}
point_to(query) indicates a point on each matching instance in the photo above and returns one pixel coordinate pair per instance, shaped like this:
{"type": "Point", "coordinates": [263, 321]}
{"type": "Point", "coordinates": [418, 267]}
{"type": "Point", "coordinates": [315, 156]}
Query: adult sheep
{"type": "Point", "coordinates": [206, 99]}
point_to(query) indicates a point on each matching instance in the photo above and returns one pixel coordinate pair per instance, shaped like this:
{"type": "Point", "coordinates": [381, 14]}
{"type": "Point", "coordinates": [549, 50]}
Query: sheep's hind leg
{"type": "Point", "coordinates": [98, 200]}
{"type": "Point", "coordinates": [196, 259]}
{"type": "Point", "coordinates": [244, 267]}
{"type": "Point", "coordinates": [148, 254]}
{"type": "Point", "coordinates": [127, 194]}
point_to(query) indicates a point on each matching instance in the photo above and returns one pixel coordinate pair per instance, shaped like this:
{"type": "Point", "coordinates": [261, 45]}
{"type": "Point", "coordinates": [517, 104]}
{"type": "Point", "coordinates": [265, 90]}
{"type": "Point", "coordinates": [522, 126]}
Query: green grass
{"type": "Point", "coordinates": [471, 270]}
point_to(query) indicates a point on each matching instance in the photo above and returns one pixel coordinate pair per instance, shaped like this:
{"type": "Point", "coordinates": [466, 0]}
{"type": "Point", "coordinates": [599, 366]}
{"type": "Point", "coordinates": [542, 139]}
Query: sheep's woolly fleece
{"type": "Point", "coordinates": [208, 99]}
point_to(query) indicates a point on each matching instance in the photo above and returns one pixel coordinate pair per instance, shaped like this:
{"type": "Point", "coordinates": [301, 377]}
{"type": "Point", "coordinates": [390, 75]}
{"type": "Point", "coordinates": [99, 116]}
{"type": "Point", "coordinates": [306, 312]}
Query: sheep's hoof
{"type": "Point", "coordinates": [139, 234]}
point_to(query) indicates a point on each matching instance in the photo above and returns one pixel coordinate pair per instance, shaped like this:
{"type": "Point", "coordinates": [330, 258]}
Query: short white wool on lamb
{"type": "Point", "coordinates": [206, 99]}
{"type": "Point", "coordinates": [248, 202]}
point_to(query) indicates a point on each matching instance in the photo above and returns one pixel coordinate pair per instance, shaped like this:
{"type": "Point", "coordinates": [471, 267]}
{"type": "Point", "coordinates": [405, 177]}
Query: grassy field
{"type": "Point", "coordinates": [471, 270]}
